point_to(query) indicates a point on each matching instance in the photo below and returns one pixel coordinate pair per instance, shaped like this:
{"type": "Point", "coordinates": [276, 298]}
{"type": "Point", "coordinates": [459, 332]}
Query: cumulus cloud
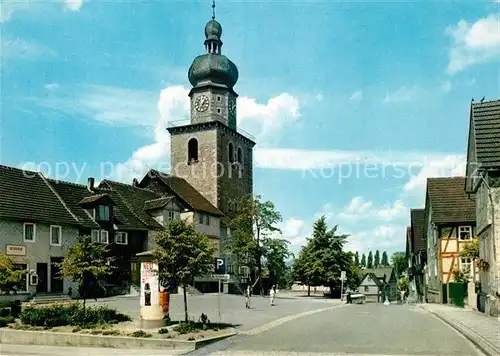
{"type": "Point", "coordinates": [401, 95]}
{"type": "Point", "coordinates": [356, 96]}
{"type": "Point", "coordinates": [474, 43]}
{"type": "Point", "coordinates": [74, 5]}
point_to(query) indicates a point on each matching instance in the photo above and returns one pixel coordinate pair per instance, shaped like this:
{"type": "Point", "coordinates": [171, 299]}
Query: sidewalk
{"type": "Point", "coordinates": [482, 330]}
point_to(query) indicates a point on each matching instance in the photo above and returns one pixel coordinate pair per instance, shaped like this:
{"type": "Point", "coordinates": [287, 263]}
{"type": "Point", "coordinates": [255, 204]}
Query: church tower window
{"type": "Point", "coordinates": [193, 150]}
{"type": "Point", "coordinates": [231, 152]}
{"type": "Point", "coordinates": [240, 155]}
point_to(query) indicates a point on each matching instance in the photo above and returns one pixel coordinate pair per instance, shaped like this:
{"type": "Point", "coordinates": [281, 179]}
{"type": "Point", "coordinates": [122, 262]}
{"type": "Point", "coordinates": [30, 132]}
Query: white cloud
{"type": "Point", "coordinates": [474, 43]}
{"type": "Point", "coordinates": [357, 96]}
{"type": "Point", "coordinates": [17, 48]}
{"type": "Point", "coordinates": [446, 86]}
{"type": "Point", "coordinates": [449, 166]}
{"type": "Point", "coordinates": [300, 159]}
{"type": "Point", "coordinates": [74, 5]}
{"type": "Point", "coordinates": [52, 86]}
{"type": "Point", "coordinates": [401, 95]}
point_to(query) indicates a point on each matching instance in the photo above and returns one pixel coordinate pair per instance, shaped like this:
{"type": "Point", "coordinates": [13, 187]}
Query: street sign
{"type": "Point", "coordinates": [221, 276]}
{"type": "Point", "coordinates": [342, 276]}
{"type": "Point", "coordinates": [220, 266]}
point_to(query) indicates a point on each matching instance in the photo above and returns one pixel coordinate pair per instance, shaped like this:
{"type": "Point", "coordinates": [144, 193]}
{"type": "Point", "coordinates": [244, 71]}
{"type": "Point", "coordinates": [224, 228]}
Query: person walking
{"type": "Point", "coordinates": [272, 295]}
{"type": "Point", "coordinates": [247, 297]}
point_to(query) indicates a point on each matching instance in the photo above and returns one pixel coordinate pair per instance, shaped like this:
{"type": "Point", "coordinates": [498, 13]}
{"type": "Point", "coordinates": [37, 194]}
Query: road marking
{"type": "Point", "coordinates": [283, 320]}
{"type": "Point", "coordinates": [291, 353]}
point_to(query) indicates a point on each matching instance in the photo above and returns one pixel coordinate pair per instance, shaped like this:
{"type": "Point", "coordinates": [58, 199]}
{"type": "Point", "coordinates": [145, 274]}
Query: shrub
{"type": "Point", "coordinates": [140, 333]}
{"type": "Point", "coordinates": [184, 328]}
{"type": "Point", "coordinates": [4, 321]}
{"type": "Point", "coordinates": [163, 331]}
{"type": "Point", "coordinates": [52, 316]}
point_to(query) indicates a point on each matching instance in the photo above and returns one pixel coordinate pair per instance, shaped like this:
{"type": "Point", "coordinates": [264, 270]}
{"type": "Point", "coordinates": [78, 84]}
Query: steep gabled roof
{"type": "Point", "coordinates": [27, 196]}
{"type": "Point", "coordinates": [130, 200]}
{"type": "Point", "coordinates": [449, 201]}
{"type": "Point", "coordinates": [485, 120]}
{"type": "Point", "coordinates": [417, 217]}
{"type": "Point", "coordinates": [157, 203]}
{"type": "Point", "coordinates": [72, 194]}
{"type": "Point", "coordinates": [380, 272]}
{"type": "Point", "coordinates": [186, 192]}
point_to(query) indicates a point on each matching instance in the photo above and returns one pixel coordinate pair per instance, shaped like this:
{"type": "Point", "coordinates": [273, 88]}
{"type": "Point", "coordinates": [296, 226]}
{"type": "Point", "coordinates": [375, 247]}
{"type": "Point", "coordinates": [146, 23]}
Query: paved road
{"type": "Point", "coordinates": [372, 329]}
{"type": "Point", "coordinates": [232, 308]}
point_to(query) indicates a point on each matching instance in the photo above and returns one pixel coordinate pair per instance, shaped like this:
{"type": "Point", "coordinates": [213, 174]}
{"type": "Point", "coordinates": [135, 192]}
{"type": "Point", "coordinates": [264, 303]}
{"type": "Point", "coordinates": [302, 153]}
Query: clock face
{"type": "Point", "coordinates": [201, 103]}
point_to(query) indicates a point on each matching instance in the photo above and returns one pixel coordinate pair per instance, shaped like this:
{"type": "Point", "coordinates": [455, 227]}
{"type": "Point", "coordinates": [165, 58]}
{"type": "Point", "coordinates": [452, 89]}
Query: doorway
{"type": "Point", "coordinates": [56, 281]}
{"type": "Point", "coordinates": [42, 272]}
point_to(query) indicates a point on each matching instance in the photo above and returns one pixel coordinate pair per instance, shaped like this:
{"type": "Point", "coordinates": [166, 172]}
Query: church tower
{"type": "Point", "coordinates": [210, 152]}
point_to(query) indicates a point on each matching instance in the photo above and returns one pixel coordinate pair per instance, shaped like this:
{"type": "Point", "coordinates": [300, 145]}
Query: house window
{"type": "Point", "coordinates": [95, 235]}
{"type": "Point", "coordinates": [231, 152]}
{"type": "Point", "coordinates": [102, 213]}
{"type": "Point", "coordinates": [22, 286]}
{"type": "Point", "coordinates": [465, 232]}
{"type": "Point", "coordinates": [193, 150]}
{"type": "Point", "coordinates": [218, 98]}
{"type": "Point", "coordinates": [121, 238]}
{"type": "Point", "coordinates": [101, 236]}
{"type": "Point", "coordinates": [207, 220]}
{"type": "Point", "coordinates": [104, 237]}
{"type": "Point", "coordinates": [171, 215]}
{"type": "Point", "coordinates": [366, 288]}
{"type": "Point", "coordinates": [465, 265]}
{"type": "Point", "coordinates": [55, 235]}
{"type": "Point", "coordinates": [29, 232]}
{"type": "Point", "coordinates": [200, 218]}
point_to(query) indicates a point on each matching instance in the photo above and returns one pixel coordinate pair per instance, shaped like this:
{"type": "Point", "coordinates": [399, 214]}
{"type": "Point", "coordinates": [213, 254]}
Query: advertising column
{"type": "Point", "coordinates": [151, 309]}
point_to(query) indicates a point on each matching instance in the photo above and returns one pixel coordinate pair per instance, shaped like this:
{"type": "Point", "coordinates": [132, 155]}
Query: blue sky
{"type": "Point", "coordinates": [353, 104]}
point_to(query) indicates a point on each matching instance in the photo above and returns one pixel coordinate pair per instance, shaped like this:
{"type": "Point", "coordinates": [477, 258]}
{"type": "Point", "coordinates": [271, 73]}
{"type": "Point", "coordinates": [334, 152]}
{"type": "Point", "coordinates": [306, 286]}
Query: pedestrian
{"type": "Point", "coordinates": [403, 292]}
{"type": "Point", "coordinates": [272, 295]}
{"type": "Point", "coordinates": [247, 297]}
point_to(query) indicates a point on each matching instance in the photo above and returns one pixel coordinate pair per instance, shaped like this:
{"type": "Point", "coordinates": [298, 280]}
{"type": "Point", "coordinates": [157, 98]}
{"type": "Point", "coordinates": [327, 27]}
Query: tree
{"type": "Point", "coordinates": [324, 257]}
{"type": "Point", "coordinates": [10, 278]}
{"type": "Point", "coordinates": [363, 260]}
{"type": "Point", "coordinates": [356, 259]}
{"type": "Point", "coordinates": [399, 263]}
{"type": "Point", "coordinates": [385, 260]}
{"type": "Point", "coordinates": [276, 253]}
{"type": "Point", "coordinates": [86, 263]}
{"type": "Point", "coordinates": [369, 263]}
{"type": "Point", "coordinates": [251, 225]}
{"type": "Point", "coordinates": [301, 269]}
{"type": "Point", "coordinates": [376, 262]}
{"type": "Point", "coordinates": [182, 255]}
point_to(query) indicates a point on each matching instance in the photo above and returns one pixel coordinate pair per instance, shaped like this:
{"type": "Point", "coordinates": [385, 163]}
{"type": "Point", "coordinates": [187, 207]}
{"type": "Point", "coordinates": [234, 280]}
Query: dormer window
{"type": "Point", "coordinates": [102, 213]}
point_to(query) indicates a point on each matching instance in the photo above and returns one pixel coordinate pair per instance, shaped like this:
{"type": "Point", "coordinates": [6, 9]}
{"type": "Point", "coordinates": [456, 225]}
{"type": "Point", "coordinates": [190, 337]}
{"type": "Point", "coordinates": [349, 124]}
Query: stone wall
{"type": "Point", "coordinates": [488, 227]}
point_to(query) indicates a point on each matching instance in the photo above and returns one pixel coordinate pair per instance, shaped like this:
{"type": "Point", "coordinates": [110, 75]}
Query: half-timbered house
{"type": "Point", "coordinates": [450, 223]}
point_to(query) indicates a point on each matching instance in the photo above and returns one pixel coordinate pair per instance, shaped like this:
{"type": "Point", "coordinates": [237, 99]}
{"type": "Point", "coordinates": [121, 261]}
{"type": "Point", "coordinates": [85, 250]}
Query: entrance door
{"type": "Point", "coordinates": [42, 272]}
{"type": "Point", "coordinates": [56, 282]}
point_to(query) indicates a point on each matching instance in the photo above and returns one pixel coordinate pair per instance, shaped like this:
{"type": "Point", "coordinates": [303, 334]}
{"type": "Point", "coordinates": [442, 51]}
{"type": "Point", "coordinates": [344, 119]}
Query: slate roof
{"type": "Point", "coordinates": [157, 203]}
{"type": "Point", "coordinates": [130, 201]}
{"type": "Point", "coordinates": [187, 193]}
{"type": "Point", "coordinates": [417, 218]}
{"type": "Point", "coordinates": [72, 194]}
{"type": "Point", "coordinates": [376, 279]}
{"type": "Point", "coordinates": [449, 201]}
{"type": "Point", "coordinates": [485, 119]}
{"type": "Point", "coordinates": [379, 272]}
{"type": "Point", "coordinates": [27, 196]}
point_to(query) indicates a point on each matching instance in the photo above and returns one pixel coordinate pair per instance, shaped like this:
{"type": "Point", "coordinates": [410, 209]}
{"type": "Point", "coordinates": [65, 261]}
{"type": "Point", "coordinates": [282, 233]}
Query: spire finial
{"type": "Point", "coordinates": [213, 10]}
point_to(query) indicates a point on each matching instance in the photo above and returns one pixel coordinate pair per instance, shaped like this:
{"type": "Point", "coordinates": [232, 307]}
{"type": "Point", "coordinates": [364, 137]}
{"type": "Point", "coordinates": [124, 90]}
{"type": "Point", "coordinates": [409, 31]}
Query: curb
{"type": "Point", "coordinates": [464, 332]}
{"type": "Point", "coordinates": [48, 338]}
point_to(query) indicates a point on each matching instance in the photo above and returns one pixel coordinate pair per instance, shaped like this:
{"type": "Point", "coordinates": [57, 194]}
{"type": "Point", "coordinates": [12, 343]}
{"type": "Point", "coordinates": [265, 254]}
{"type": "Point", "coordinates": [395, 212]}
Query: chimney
{"type": "Point", "coordinates": [90, 184]}
{"type": "Point", "coordinates": [135, 182]}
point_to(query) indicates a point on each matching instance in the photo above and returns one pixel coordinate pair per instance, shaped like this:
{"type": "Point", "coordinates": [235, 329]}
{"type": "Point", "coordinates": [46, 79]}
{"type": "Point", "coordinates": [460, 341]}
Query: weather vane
{"type": "Point", "coordinates": [213, 10]}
